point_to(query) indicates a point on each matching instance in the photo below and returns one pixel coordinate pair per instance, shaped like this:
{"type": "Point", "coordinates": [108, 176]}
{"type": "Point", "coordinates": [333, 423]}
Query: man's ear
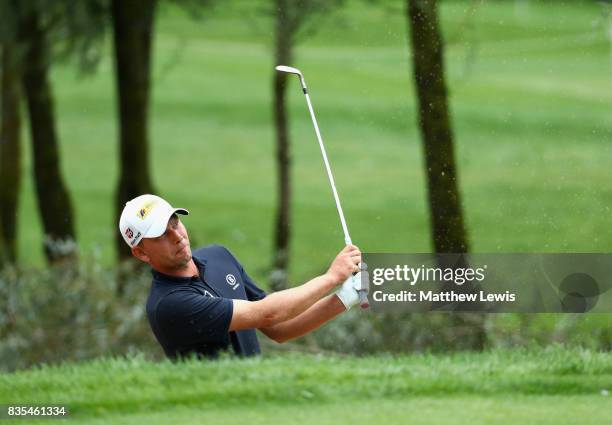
{"type": "Point", "coordinates": [140, 253]}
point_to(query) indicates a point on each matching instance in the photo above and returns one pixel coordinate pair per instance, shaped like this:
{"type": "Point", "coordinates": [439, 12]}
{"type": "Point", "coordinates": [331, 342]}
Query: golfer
{"type": "Point", "coordinates": [202, 302]}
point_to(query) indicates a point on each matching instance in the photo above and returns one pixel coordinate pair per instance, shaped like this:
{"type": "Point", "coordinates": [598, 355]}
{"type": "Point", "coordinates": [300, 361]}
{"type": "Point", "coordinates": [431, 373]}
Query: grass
{"type": "Point", "coordinates": [550, 386]}
{"type": "Point", "coordinates": [418, 411]}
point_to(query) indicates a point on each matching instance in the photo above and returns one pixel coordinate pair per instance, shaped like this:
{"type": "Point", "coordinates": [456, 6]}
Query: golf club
{"type": "Point", "coordinates": [363, 284]}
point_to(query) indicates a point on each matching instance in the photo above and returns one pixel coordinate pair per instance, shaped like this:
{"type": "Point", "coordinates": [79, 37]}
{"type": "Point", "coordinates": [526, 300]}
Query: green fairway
{"type": "Point", "coordinates": [531, 110]}
{"type": "Point", "coordinates": [510, 410]}
{"type": "Point", "coordinates": [554, 386]}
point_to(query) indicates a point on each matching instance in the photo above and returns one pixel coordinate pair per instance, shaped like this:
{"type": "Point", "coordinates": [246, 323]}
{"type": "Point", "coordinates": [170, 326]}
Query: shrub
{"type": "Point", "coordinates": [71, 313]}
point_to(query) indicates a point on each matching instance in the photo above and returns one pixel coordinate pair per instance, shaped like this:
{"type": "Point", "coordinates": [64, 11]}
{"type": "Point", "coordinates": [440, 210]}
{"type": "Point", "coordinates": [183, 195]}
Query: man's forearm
{"type": "Point", "coordinates": [285, 305]}
{"type": "Point", "coordinates": [289, 303]}
{"type": "Point", "coordinates": [318, 314]}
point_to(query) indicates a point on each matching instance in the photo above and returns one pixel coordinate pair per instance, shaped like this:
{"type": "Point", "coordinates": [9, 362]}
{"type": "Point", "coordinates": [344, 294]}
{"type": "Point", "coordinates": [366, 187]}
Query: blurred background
{"type": "Point", "coordinates": [479, 125]}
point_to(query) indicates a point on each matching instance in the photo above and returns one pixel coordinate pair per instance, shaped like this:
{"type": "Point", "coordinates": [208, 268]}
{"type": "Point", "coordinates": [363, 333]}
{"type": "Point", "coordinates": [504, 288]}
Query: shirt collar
{"type": "Point", "coordinates": [162, 277]}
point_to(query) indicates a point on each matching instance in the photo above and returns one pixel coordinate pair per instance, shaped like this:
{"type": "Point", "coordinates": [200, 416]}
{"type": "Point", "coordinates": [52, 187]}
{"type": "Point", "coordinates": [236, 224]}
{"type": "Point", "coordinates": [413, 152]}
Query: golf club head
{"type": "Point", "coordinates": [288, 69]}
{"type": "Point", "coordinates": [291, 70]}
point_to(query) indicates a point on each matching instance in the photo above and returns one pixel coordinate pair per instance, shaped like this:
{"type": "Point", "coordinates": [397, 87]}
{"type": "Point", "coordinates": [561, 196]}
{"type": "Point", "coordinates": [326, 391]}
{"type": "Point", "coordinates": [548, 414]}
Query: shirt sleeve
{"type": "Point", "coordinates": [190, 317]}
{"type": "Point", "coordinates": [253, 292]}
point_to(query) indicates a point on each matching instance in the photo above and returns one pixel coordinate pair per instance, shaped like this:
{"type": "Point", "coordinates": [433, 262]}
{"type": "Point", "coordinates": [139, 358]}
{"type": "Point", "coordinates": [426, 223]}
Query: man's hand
{"type": "Point", "coordinates": [348, 291]}
{"type": "Point", "coordinates": [345, 264]}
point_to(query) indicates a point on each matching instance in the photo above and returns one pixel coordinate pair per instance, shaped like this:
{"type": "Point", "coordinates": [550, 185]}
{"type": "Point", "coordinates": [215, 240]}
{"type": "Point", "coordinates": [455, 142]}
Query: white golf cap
{"type": "Point", "coordinates": [146, 217]}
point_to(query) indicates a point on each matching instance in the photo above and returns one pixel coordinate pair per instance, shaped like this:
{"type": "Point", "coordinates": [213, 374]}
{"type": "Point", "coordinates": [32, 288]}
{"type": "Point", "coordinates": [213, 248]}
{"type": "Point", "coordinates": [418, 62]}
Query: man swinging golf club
{"type": "Point", "coordinates": [202, 302]}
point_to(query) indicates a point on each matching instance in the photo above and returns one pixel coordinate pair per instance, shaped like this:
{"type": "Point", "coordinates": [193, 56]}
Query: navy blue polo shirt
{"type": "Point", "coordinates": [191, 315]}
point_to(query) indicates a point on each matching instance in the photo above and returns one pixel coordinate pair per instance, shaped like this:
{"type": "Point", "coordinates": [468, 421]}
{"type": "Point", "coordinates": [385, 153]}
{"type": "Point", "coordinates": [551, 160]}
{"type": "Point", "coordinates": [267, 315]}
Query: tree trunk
{"type": "Point", "coordinates": [10, 153]}
{"type": "Point", "coordinates": [449, 234]}
{"type": "Point", "coordinates": [282, 232]}
{"type": "Point", "coordinates": [133, 31]}
{"type": "Point", "coordinates": [53, 200]}
{"type": "Point", "coordinates": [448, 230]}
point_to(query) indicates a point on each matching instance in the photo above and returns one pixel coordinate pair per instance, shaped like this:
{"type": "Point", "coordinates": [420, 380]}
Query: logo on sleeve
{"type": "Point", "coordinates": [231, 281]}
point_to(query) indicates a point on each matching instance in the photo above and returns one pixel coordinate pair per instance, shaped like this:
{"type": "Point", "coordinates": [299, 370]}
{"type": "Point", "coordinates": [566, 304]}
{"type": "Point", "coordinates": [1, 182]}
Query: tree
{"type": "Point", "coordinates": [448, 230]}
{"type": "Point", "coordinates": [33, 34]}
{"type": "Point", "coordinates": [282, 232]}
{"type": "Point", "coordinates": [291, 19]}
{"type": "Point", "coordinates": [52, 195]}
{"type": "Point", "coordinates": [10, 152]}
{"type": "Point", "coordinates": [132, 22]}
{"type": "Point", "coordinates": [449, 233]}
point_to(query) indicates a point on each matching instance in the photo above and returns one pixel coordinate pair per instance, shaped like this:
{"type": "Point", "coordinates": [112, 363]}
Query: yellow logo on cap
{"type": "Point", "coordinates": [145, 209]}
